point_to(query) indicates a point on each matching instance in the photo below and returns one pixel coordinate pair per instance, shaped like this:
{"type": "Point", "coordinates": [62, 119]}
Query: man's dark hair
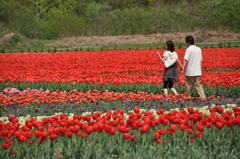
{"type": "Point", "coordinates": [190, 40]}
{"type": "Point", "coordinates": [170, 45]}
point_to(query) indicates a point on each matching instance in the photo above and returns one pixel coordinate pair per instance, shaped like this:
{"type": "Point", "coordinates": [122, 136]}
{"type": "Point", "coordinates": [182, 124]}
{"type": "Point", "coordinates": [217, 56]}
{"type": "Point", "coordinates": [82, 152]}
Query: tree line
{"type": "Point", "coordinates": [53, 19]}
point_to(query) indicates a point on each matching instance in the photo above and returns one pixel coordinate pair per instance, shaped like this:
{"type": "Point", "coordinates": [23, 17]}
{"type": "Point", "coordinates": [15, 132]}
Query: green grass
{"type": "Point", "coordinates": [39, 46]}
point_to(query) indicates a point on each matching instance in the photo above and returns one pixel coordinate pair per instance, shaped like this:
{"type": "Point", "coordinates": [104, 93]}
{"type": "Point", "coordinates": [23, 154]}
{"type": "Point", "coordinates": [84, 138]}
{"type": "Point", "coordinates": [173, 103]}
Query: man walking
{"type": "Point", "coordinates": [193, 60]}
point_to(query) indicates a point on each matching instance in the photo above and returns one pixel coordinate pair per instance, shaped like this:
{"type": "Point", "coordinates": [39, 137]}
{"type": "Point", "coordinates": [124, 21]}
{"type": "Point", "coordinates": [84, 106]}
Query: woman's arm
{"type": "Point", "coordinates": [180, 64]}
{"type": "Point", "coordinates": [165, 58]}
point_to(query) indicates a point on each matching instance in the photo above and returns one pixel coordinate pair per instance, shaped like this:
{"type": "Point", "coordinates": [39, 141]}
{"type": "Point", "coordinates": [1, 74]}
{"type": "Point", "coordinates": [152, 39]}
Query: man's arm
{"type": "Point", "coordinates": [184, 65]}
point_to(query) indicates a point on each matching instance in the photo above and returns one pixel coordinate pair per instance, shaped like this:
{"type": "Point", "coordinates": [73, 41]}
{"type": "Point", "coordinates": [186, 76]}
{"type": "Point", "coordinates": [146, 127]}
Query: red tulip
{"type": "Point", "coordinates": [40, 128]}
{"type": "Point", "coordinates": [56, 130]}
{"type": "Point", "coordinates": [162, 131]}
{"type": "Point", "coordinates": [89, 130]}
{"type": "Point", "coordinates": [211, 109]}
{"type": "Point", "coordinates": [13, 152]}
{"type": "Point", "coordinates": [91, 123]}
{"type": "Point", "coordinates": [121, 111]}
{"type": "Point", "coordinates": [53, 136]}
{"type": "Point", "coordinates": [7, 139]}
{"type": "Point", "coordinates": [25, 128]}
{"type": "Point", "coordinates": [63, 130]}
{"type": "Point", "coordinates": [157, 140]}
{"type": "Point", "coordinates": [159, 112]}
{"type": "Point", "coordinates": [190, 131]}
{"type": "Point", "coordinates": [237, 114]}
{"type": "Point", "coordinates": [219, 109]}
{"type": "Point", "coordinates": [219, 125]}
{"type": "Point", "coordinates": [183, 127]}
{"type": "Point", "coordinates": [30, 142]}
{"type": "Point", "coordinates": [29, 134]}
{"type": "Point", "coordinates": [195, 118]}
{"type": "Point", "coordinates": [50, 130]}
{"type": "Point", "coordinates": [208, 124]}
{"type": "Point", "coordinates": [69, 134]}
{"type": "Point", "coordinates": [126, 135]}
{"type": "Point", "coordinates": [199, 134]}
{"type": "Point", "coordinates": [200, 127]}
{"type": "Point", "coordinates": [136, 110]}
{"type": "Point", "coordinates": [5, 145]}
{"type": "Point", "coordinates": [22, 138]}
{"type": "Point", "coordinates": [77, 128]}
{"type": "Point", "coordinates": [44, 134]}
{"type": "Point", "coordinates": [121, 122]}
{"type": "Point", "coordinates": [114, 123]}
{"type": "Point", "coordinates": [5, 132]}
{"type": "Point", "coordinates": [164, 142]}
{"type": "Point", "coordinates": [112, 130]}
{"type": "Point", "coordinates": [59, 154]}
{"type": "Point", "coordinates": [165, 121]}
{"type": "Point", "coordinates": [55, 124]}
{"type": "Point", "coordinates": [38, 133]}
{"type": "Point", "coordinates": [29, 125]}
{"type": "Point", "coordinates": [132, 137]}
{"type": "Point", "coordinates": [190, 125]}
{"type": "Point", "coordinates": [157, 135]}
{"type": "Point", "coordinates": [190, 110]}
{"type": "Point", "coordinates": [173, 127]}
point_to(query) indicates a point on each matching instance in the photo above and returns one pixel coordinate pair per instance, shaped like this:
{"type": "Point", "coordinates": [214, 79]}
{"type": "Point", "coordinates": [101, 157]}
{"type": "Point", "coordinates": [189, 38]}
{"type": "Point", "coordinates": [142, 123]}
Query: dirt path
{"type": "Point", "coordinates": [200, 36]}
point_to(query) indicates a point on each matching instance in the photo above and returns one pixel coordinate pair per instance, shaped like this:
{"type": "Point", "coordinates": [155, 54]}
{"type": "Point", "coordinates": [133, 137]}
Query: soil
{"type": "Point", "coordinates": [7, 40]}
{"type": "Point", "coordinates": [200, 36]}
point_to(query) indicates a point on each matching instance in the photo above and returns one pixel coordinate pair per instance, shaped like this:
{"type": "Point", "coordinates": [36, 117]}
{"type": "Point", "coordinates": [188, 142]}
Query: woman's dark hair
{"type": "Point", "coordinates": [170, 45]}
{"type": "Point", "coordinates": [190, 40]}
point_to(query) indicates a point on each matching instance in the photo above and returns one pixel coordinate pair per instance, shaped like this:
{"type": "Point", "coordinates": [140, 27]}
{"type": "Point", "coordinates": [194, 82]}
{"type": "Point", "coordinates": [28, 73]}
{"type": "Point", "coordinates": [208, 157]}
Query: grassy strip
{"type": "Point", "coordinates": [38, 46]}
{"type": "Point", "coordinates": [220, 69]}
{"type": "Point", "coordinates": [231, 91]}
{"type": "Point", "coordinates": [49, 109]}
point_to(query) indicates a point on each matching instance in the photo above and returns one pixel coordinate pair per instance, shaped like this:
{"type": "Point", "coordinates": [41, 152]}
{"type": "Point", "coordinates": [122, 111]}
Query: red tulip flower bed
{"type": "Point", "coordinates": [111, 79]}
{"type": "Point", "coordinates": [131, 126]}
{"type": "Point", "coordinates": [116, 67]}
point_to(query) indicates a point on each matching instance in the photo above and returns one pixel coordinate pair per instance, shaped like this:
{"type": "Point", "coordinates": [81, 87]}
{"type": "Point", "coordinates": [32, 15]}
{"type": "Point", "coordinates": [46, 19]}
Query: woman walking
{"type": "Point", "coordinates": [171, 72]}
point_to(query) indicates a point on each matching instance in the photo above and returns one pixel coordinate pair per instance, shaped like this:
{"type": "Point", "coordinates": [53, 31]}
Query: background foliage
{"type": "Point", "coordinates": [52, 19]}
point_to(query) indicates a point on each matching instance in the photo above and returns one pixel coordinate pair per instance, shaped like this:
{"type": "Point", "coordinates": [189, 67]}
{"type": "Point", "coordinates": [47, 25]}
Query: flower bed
{"type": "Point", "coordinates": [110, 104]}
{"type": "Point", "coordinates": [115, 132]}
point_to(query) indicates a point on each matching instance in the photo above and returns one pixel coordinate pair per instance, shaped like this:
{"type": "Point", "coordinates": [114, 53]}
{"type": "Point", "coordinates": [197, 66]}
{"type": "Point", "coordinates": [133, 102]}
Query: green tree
{"type": "Point", "coordinates": [7, 10]}
{"type": "Point", "coordinates": [123, 4]}
{"type": "Point", "coordinates": [66, 25]}
{"type": "Point", "coordinates": [228, 15]}
{"type": "Point", "coordinates": [99, 18]}
{"type": "Point", "coordinates": [172, 18]}
{"type": "Point", "coordinates": [28, 25]}
{"type": "Point", "coordinates": [135, 21]}
{"type": "Point", "coordinates": [41, 7]}
{"type": "Point", "coordinates": [207, 14]}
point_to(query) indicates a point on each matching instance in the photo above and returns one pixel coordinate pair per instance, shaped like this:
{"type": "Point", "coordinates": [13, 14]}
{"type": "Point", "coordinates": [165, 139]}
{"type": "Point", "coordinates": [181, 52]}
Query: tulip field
{"type": "Point", "coordinates": [110, 104]}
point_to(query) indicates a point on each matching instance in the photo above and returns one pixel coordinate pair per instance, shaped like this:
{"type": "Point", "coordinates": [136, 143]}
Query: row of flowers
{"type": "Point", "coordinates": [205, 110]}
{"type": "Point", "coordinates": [11, 96]}
{"type": "Point", "coordinates": [212, 79]}
{"type": "Point", "coordinates": [128, 66]}
{"type": "Point", "coordinates": [114, 60]}
{"type": "Point", "coordinates": [191, 120]}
